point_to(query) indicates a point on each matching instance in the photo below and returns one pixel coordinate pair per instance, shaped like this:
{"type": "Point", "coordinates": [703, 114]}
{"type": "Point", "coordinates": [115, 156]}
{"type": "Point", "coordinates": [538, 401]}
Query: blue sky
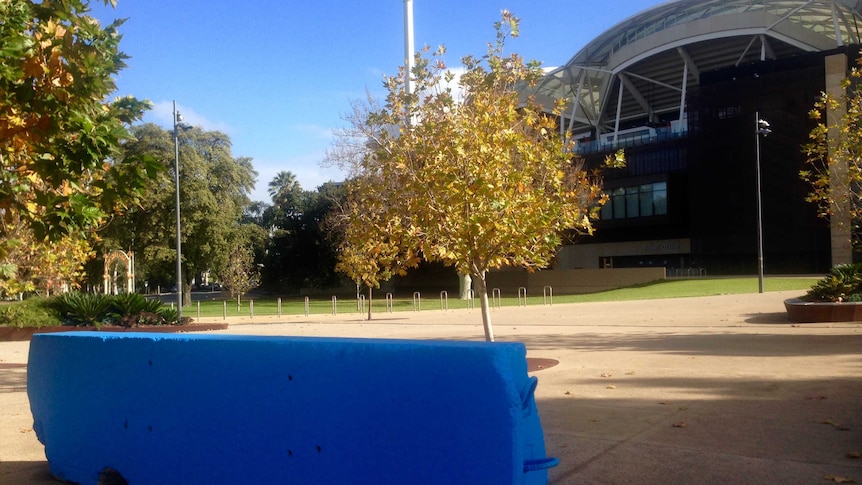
{"type": "Point", "coordinates": [277, 75]}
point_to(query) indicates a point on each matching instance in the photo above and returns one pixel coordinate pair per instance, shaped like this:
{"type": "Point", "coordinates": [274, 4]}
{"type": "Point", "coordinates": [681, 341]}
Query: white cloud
{"type": "Point", "coordinates": [163, 114]}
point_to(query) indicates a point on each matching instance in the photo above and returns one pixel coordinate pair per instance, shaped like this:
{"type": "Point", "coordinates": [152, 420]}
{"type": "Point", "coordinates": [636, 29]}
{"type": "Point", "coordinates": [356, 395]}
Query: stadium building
{"type": "Point", "coordinates": [680, 87]}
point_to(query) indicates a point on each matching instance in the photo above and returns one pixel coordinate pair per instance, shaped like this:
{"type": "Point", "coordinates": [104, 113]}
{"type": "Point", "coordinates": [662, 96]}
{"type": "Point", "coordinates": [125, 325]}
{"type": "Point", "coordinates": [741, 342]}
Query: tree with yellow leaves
{"type": "Point", "coordinates": [834, 157]}
{"type": "Point", "coordinates": [464, 171]}
{"type": "Point", "coordinates": [59, 138]}
{"type": "Point", "coordinates": [40, 266]}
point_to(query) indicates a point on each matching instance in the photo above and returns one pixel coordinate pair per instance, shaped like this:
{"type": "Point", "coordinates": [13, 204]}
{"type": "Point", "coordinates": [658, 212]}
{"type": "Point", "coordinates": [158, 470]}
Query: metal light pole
{"type": "Point", "coordinates": [762, 128]}
{"type": "Point", "coordinates": [409, 50]}
{"type": "Point", "coordinates": [178, 118]}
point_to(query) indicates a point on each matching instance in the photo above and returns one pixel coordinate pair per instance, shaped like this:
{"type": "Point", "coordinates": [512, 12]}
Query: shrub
{"type": "Point", "coordinates": [130, 309]}
{"type": "Point", "coordinates": [83, 308]}
{"type": "Point", "coordinates": [86, 309]}
{"type": "Point", "coordinates": [171, 316]}
{"type": "Point", "coordinates": [844, 283]}
{"type": "Point", "coordinates": [33, 312]}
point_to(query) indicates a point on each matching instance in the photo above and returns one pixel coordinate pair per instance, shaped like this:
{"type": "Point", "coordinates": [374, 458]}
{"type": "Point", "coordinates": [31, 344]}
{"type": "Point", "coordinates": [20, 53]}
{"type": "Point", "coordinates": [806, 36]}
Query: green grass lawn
{"type": "Point", "coordinates": [676, 288]}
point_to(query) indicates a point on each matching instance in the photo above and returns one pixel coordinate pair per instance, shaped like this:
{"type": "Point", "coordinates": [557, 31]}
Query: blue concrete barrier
{"type": "Point", "coordinates": [178, 408]}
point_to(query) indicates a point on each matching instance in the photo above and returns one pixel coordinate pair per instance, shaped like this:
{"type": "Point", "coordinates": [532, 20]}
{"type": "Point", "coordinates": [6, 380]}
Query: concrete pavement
{"type": "Point", "coordinates": [695, 390]}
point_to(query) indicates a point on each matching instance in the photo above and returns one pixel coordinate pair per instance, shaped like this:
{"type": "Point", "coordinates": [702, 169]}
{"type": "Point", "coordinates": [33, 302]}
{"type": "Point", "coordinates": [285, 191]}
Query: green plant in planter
{"type": "Point", "coordinates": [130, 309]}
{"type": "Point", "coordinates": [844, 283]}
{"type": "Point", "coordinates": [83, 308]}
{"type": "Point", "coordinates": [171, 316]}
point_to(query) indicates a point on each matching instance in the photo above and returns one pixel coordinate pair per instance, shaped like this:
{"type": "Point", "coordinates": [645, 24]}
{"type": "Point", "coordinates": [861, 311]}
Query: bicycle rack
{"type": "Point", "coordinates": [522, 292]}
{"type": "Point", "coordinates": [548, 296]}
{"type": "Point", "coordinates": [495, 297]}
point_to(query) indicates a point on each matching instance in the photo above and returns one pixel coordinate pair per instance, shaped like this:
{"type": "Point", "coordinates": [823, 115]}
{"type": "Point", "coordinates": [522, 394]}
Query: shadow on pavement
{"type": "Point", "coordinates": [13, 379]}
{"type": "Point", "coordinates": [27, 472]}
{"type": "Point", "coordinates": [777, 317]}
{"type": "Point", "coordinates": [749, 431]}
{"type": "Point", "coordinates": [701, 344]}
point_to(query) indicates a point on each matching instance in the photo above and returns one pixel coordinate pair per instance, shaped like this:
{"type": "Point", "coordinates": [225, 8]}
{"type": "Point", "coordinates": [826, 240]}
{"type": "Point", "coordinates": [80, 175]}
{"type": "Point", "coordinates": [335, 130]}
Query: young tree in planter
{"type": "Point", "coordinates": [475, 177]}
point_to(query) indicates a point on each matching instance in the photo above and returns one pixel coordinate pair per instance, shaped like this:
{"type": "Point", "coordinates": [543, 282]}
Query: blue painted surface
{"type": "Point", "coordinates": [237, 409]}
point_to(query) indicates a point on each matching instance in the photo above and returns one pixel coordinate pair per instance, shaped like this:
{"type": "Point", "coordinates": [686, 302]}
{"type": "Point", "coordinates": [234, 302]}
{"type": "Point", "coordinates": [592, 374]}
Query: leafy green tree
{"type": "Point", "coordinates": [255, 213]}
{"type": "Point", "coordinates": [60, 169]}
{"type": "Point", "coordinates": [288, 197]}
{"type": "Point", "coordinates": [214, 188]}
{"type": "Point", "coordinates": [301, 251]}
{"type": "Point", "coordinates": [282, 185]}
{"type": "Point", "coordinates": [479, 184]}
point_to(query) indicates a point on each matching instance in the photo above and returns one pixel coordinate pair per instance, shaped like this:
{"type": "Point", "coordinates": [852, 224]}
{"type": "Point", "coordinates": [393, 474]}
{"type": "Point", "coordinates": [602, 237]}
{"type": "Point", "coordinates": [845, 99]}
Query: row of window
{"type": "Point", "coordinates": [644, 200]}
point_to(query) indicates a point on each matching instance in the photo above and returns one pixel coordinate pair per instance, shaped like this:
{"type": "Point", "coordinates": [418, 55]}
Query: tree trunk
{"type": "Point", "coordinates": [187, 294]}
{"type": "Point", "coordinates": [464, 286]}
{"type": "Point", "coordinates": [369, 302]}
{"type": "Point", "coordinates": [486, 309]}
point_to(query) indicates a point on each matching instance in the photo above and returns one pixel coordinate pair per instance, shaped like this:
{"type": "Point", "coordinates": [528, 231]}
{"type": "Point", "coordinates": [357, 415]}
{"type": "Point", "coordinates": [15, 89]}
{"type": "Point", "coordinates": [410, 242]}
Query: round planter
{"type": "Point", "coordinates": [17, 334]}
{"type": "Point", "coordinates": [801, 311]}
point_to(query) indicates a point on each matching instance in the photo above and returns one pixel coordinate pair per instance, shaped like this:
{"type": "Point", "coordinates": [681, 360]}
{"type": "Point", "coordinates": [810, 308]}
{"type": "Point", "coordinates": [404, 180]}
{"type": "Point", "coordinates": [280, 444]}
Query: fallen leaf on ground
{"type": "Point", "coordinates": [839, 479]}
{"type": "Point", "coordinates": [680, 424]}
{"type": "Point", "coordinates": [854, 454]}
{"type": "Point", "coordinates": [568, 393]}
{"type": "Point", "coordinates": [838, 426]}
{"type": "Point", "coordinates": [611, 387]}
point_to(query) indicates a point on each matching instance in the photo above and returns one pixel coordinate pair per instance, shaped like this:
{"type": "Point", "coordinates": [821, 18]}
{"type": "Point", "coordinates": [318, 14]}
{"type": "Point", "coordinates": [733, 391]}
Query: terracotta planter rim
{"type": "Point", "coordinates": [26, 333]}
{"type": "Point", "coordinates": [801, 311]}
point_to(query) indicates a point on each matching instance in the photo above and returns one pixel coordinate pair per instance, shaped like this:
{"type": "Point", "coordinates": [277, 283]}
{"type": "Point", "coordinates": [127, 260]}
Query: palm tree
{"type": "Point", "coordinates": [283, 182]}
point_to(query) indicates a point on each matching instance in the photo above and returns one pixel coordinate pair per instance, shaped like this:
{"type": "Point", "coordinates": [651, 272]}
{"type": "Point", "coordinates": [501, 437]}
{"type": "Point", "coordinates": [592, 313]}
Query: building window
{"type": "Point", "coordinates": [729, 112]}
{"type": "Point", "coordinates": [636, 201]}
{"type": "Point", "coordinates": [632, 209]}
{"type": "Point", "coordinates": [618, 204]}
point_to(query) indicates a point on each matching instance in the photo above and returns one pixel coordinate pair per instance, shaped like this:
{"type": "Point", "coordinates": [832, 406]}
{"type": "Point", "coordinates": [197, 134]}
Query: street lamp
{"type": "Point", "coordinates": [178, 125]}
{"type": "Point", "coordinates": [762, 129]}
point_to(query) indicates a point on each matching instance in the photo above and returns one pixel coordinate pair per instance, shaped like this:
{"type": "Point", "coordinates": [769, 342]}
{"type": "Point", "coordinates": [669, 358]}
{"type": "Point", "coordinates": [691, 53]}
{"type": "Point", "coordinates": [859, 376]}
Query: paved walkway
{"type": "Point", "coordinates": [696, 390]}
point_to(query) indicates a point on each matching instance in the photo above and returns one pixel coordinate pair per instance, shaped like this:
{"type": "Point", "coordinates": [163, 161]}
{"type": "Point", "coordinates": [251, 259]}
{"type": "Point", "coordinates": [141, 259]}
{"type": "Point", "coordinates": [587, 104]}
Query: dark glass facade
{"type": "Point", "coordinates": [701, 187]}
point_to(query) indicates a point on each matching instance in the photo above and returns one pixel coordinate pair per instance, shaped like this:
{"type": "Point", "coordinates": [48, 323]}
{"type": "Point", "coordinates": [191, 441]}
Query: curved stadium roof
{"type": "Point", "coordinates": [658, 54]}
